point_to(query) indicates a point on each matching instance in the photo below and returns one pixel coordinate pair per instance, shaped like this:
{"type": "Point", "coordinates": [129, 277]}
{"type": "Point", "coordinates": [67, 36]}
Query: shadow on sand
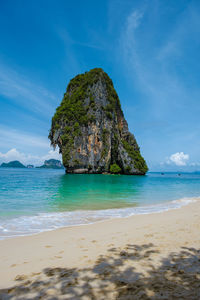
{"type": "Point", "coordinates": [117, 275]}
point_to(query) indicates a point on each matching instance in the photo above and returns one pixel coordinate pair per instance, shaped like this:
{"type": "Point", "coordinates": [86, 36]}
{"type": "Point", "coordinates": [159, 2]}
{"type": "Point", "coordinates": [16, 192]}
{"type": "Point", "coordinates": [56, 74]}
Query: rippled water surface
{"type": "Point", "coordinates": [33, 200]}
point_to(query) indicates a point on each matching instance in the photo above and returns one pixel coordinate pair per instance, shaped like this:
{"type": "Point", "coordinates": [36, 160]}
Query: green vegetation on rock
{"type": "Point", "coordinates": [105, 135]}
{"type": "Point", "coordinates": [138, 160]}
{"type": "Point", "coordinates": [12, 164]}
{"type": "Point", "coordinates": [90, 130]}
{"type": "Point", "coordinates": [115, 169]}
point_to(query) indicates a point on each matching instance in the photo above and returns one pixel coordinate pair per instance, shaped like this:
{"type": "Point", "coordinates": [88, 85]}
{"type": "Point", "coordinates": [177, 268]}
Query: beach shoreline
{"type": "Point", "coordinates": [80, 247]}
{"type": "Point", "coordinates": [51, 221]}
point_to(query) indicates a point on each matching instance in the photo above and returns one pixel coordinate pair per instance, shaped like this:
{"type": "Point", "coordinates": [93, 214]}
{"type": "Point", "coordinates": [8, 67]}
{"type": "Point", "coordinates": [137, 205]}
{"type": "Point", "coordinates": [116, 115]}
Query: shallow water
{"type": "Point", "coordinates": [34, 200]}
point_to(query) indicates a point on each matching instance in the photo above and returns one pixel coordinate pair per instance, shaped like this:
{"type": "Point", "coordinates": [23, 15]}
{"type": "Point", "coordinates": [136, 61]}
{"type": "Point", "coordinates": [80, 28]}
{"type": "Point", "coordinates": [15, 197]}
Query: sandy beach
{"type": "Point", "coordinates": [154, 256]}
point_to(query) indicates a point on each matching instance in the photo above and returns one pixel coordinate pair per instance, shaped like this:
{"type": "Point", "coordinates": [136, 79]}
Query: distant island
{"type": "Point", "coordinates": [90, 129]}
{"type": "Point", "coordinates": [13, 164]}
{"type": "Point", "coordinates": [52, 164]}
{"type": "Point", "coordinates": [48, 164]}
{"type": "Point", "coordinates": [30, 166]}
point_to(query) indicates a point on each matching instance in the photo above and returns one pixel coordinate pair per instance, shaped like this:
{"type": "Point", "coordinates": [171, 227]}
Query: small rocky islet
{"type": "Point", "coordinates": [13, 164]}
{"type": "Point", "coordinates": [48, 164]}
{"type": "Point", "coordinates": [51, 164]}
{"type": "Point", "coordinates": [90, 129]}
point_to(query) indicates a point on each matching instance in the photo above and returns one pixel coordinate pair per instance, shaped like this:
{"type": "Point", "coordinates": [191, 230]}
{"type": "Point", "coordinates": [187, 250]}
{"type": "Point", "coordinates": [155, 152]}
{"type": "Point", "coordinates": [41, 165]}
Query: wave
{"type": "Point", "coordinates": [28, 225]}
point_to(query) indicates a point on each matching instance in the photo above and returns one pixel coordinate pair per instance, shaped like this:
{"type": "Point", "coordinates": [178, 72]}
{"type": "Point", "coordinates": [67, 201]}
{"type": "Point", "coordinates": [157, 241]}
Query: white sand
{"type": "Point", "coordinates": [153, 256]}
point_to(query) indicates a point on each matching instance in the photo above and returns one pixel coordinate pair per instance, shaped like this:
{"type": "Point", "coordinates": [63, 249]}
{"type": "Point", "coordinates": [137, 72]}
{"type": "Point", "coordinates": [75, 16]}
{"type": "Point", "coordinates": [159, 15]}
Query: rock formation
{"type": "Point", "coordinates": [52, 164]}
{"type": "Point", "coordinates": [90, 129]}
{"type": "Point", "coordinates": [12, 164]}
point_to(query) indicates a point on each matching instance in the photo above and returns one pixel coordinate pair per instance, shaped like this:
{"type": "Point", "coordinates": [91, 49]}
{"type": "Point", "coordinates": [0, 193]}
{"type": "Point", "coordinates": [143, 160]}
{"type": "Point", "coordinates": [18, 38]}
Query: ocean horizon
{"type": "Point", "coordinates": [36, 200]}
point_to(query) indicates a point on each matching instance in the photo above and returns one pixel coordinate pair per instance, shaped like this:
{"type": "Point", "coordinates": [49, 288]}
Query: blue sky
{"type": "Point", "coordinates": [150, 49]}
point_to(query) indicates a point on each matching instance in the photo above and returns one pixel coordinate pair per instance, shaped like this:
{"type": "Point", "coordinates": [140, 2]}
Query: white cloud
{"type": "Point", "coordinates": [14, 154]}
{"type": "Point", "coordinates": [25, 147]}
{"type": "Point", "coordinates": [128, 40]}
{"type": "Point", "coordinates": [179, 159]}
{"type": "Point", "coordinates": [69, 61]}
{"type": "Point", "coordinates": [134, 20]}
{"type": "Point", "coordinates": [24, 91]}
{"type": "Point", "coordinates": [52, 154]}
{"type": "Point", "coordinates": [22, 140]}
{"type": "Point", "coordinates": [154, 70]}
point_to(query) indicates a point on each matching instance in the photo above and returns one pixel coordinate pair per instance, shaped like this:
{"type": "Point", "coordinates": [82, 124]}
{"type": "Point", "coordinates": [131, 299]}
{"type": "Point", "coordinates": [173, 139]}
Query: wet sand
{"type": "Point", "coordinates": [155, 256]}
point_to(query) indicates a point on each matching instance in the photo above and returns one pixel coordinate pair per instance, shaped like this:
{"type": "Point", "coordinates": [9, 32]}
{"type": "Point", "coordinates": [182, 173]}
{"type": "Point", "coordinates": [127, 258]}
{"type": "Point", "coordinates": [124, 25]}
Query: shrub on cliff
{"type": "Point", "coordinates": [115, 169]}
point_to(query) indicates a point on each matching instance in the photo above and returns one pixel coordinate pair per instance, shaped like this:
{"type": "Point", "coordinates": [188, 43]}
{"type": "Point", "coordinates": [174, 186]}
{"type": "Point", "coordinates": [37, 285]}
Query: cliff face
{"type": "Point", "coordinates": [90, 129]}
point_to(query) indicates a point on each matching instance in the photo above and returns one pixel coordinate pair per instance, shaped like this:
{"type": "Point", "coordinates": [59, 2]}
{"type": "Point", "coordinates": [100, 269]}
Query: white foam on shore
{"type": "Point", "coordinates": [28, 225]}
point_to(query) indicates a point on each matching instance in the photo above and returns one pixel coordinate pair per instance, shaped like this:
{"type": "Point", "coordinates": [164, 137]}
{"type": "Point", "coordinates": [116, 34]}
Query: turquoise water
{"type": "Point", "coordinates": [34, 200]}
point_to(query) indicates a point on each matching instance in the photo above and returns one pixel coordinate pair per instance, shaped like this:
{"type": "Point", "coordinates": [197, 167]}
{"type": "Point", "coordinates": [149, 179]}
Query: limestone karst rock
{"type": "Point", "coordinates": [90, 129]}
{"type": "Point", "coordinates": [52, 164]}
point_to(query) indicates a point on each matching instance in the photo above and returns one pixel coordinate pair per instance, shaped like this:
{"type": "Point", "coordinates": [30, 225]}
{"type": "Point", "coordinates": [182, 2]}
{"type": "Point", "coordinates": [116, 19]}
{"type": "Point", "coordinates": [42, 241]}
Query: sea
{"type": "Point", "coordinates": [37, 200]}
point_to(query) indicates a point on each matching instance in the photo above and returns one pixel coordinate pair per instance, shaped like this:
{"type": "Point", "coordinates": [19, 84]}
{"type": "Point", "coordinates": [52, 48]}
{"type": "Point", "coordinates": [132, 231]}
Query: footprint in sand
{"type": "Point", "coordinates": [21, 277]}
{"type": "Point", "coordinates": [35, 274]}
{"type": "Point", "coordinates": [148, 235]}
